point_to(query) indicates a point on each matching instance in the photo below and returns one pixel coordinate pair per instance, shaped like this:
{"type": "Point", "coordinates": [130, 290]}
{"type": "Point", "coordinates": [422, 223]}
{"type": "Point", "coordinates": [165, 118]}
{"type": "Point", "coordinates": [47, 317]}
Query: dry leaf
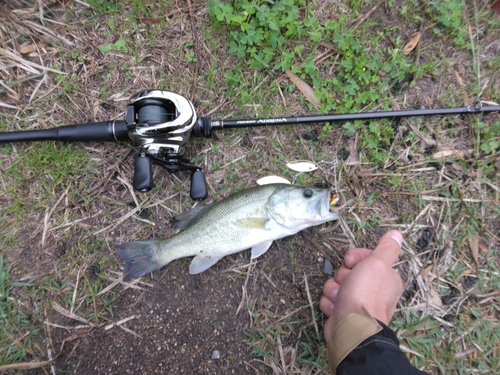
{"type": "Point", "coordinates": [474, 247]}
{"type": "Point", "coordinates": [272, 180]}
{"type": "Point", "coordinates": [150, 21]}
{"type": "Point", "coordinates": [96, 107]}
{"type": "Point", "coordinates": [452, 153]}
{"type": "Point", "coordinates": [353, 150]}
{"type": "Point", "coordinates": [461, 83]}
{"type": "Point", "coordinates": [14, 96]}
{"type": "Point", "coordinates": [304, 88]}
{"type": "Point", "coordinates": [27, 49]}
{"type": "Point", "coordinates": [436, 299]}
{"type": "Point", "coordinates": [302, 166]}
{"type": "Point", "coordinates": [412, 44]}
{"type": "Point", "coordinates": [427, 270]}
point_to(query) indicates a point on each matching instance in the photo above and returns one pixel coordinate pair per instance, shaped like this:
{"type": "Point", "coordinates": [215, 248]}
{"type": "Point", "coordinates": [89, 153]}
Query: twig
{"type": "Point", "coordinates": [37, 87]}
{"type": "Point", "coordinates": [281, 94]}
{"type": "Point", "coordinates": [24, 365]}
{"type": "Point", "coordinates": [48, 214]}
{"type": "Point", "coordinates": [119, 221]}
{"type": "Point", "coordinates": [119, 325]}
{"type": "Point", "coordinates": [115, 283]}
{"type": "Point", "coordinates": [109, 326]}
{"type": "Point", "coordinates": [131, 190]}
{"type": "Point", "coordinates": [282, 355]}
{"type": "Point", "coordinates": [61, 310]}
{"type": "Point", "coordinates": [74, 293]}
{"type": "Point", "coordinates": [26, 63]}
{"type": "Point", "coordinates": [244, 293]}
{"type": "Point", "coordinates": [51, 358]}
{"type": "Point", "coordinates": [87, 5]}
{"type": "Point", "coordinates": [311, 305]}
{"type": "Point", "coordinates": [365, 17]}
{"type": "Point", "coordinates": [64, 327]}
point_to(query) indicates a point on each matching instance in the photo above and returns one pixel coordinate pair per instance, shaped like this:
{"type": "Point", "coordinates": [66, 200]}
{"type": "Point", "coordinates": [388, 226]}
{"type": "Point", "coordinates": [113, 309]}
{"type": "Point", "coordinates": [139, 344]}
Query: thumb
{"type": "Point", "coordinates": [388, 247]}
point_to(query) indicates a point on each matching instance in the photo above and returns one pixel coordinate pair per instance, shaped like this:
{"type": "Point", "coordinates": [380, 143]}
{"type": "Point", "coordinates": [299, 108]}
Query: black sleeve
{"type": "Point", "coordinates": [378, 354]}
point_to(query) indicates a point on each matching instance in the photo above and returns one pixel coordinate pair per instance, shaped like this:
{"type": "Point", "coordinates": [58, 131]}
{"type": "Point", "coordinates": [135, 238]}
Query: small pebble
{"type": "Point", "coordinates": [216, 354]}
{"type": "Point", "coordinates": [327, 267]}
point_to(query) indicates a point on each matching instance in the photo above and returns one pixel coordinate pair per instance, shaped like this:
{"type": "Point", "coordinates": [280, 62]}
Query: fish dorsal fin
{"type": "Point", "coordinates": [261, 248]}
{"type": "Point", "coordinates": [185, 218]}
{"type": "Point", "coordinates": [203, 262]}
{"type": "Point", "coordinates": [252, 223]}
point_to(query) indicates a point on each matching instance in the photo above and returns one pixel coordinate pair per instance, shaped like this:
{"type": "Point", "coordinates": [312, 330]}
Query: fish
{"type": "Point", "coordinates": [250, 219]}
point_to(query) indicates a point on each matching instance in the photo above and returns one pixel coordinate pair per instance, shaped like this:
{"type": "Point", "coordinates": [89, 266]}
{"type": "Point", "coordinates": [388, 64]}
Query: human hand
{"type": "Point", "coordinates": [365, 279]}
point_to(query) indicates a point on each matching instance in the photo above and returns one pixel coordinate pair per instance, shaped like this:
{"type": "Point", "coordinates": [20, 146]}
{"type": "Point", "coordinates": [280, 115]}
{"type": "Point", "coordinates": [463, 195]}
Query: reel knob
{"type": "Point", "coordinates": [143, 173]}
{"type": "Point", "coordinates": [198, 185]}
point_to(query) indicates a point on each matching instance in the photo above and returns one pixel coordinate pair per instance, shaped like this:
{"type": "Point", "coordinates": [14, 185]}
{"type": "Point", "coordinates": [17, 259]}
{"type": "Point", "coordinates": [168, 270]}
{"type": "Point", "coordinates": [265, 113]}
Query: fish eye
{"type": "Point", "coordinates": [308, 193]}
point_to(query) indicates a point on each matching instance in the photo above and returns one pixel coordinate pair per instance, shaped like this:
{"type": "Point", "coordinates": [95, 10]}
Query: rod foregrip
{"type": "Point", "coordinates": [108, 131]}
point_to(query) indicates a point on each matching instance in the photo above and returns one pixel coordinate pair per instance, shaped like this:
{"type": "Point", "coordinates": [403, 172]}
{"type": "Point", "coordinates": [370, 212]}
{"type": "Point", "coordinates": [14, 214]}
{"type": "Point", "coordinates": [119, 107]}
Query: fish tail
{"type": "Point", "coordinates": [140, 258]}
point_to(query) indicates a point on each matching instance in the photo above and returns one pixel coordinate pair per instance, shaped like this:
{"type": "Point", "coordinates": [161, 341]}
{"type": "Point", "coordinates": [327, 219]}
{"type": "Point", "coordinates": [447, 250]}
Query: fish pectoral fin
{"type": "Point", "coordinates": [203, 262]}
{"type": "Point", "coordinates": [185, 218]}
{"type": "Point", "coordinates": [259, 249]}
{"type": "Point", "coordinates": [252, 223]}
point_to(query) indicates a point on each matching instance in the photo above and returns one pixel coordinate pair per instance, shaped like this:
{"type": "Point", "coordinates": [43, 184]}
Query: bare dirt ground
{"type": "Point", "coordinates": [172, 322]}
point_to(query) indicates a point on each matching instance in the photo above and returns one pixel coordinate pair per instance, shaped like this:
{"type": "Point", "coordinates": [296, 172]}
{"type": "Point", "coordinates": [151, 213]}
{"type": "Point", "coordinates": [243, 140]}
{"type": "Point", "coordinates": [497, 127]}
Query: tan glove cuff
{"type": "Point", "coordinates": [349, 333]}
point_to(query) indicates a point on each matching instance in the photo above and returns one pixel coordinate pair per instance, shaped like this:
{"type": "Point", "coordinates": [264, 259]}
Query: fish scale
{"type": "Point", "coordinates": [251, 204]}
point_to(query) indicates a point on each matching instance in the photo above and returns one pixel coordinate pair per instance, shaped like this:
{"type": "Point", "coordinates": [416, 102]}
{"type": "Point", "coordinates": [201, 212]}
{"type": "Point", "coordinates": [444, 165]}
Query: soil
{"type": "Point", "coordinates": [187, 324]}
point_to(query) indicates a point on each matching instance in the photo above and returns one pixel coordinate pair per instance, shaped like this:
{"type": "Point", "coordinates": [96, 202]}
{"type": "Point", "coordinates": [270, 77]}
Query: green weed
{"type": "Point", "coordinates": [259, 29]}
{"type": "Point", "coordinates": [451, 15]}
{"type": "Point", "coordinates": [17, 330]}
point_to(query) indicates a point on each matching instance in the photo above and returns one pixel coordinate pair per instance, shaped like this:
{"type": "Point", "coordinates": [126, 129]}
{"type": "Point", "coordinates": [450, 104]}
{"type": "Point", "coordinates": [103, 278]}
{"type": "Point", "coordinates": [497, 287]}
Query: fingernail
{"type": "Point", "coordinates": [398, 238]}
{"type": "Point", "coordinates": [334, 294]}
{"type": "Point", "coordinates": [348, 258]}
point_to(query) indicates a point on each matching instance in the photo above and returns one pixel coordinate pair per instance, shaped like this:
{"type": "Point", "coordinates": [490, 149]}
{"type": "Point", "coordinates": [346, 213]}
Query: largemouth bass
{"type": "Point", "coordinates": [252, 218]}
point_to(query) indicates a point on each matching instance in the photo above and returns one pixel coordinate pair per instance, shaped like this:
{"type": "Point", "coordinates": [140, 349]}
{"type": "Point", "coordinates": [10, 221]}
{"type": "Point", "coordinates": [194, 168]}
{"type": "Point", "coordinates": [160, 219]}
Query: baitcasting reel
{"type": "Point", "coordinates": [160, 123]}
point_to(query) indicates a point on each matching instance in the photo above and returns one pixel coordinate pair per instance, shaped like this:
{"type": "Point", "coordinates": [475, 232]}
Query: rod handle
{"type": "Point", "coordinates": [108, 131]}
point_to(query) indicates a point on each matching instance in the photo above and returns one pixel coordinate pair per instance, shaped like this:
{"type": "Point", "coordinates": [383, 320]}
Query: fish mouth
{"type": "Point", "coordinates": [328, 199]}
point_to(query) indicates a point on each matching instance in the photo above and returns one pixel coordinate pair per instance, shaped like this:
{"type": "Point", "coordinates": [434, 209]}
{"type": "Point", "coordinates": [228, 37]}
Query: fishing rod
{"type": "Point", "coordinates": [159, 123]}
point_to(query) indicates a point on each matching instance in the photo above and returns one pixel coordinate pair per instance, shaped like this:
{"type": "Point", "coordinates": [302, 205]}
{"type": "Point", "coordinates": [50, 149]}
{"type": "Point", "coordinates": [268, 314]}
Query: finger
{"type": "Point", "coordinates": [329, 328]}
{"type": "Point", "coordinates": [388, 247]}
{"type": "Point", "coordinates": [326, 305]}
{"type": "Point", "coordinates": [330, 289]}
{"type": "Point", "coordinates": [341, 274]}
{"type": "Point", "coordinates": [354, 256]}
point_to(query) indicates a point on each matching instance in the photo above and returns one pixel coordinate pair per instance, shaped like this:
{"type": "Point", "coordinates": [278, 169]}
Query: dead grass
{"type": "Point", "coordinates": [59, 220]}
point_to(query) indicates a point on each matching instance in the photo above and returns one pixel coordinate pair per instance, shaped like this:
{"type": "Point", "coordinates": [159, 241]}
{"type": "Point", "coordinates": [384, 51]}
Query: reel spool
{"type": "Point", "coordinates": [160, 123]}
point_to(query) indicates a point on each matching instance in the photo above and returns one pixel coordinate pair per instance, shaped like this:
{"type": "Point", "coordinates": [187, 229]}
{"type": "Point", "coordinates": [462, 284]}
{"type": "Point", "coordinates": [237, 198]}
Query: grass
{"type": "Point", "coordinates": [17, 333]}
{"type": "Point", "coordinates": [63, 206]}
